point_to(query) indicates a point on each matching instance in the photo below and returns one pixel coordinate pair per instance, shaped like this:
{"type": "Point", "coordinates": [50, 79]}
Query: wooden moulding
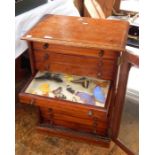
{"type": "Point", "coordinates": [101, 34]}
{"type": "Point", "coordinates": [74, 135]}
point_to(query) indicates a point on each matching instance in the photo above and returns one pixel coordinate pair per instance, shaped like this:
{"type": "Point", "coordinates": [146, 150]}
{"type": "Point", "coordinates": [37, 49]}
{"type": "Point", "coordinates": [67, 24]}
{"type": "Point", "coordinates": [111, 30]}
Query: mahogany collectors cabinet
{"type": "Point", "coordinates": [75, 65]}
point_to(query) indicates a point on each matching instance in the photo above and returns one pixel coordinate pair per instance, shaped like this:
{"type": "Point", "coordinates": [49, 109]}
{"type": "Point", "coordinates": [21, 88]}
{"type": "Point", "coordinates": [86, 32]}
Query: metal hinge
{"type": "Point", "coordinates": [119, 61]}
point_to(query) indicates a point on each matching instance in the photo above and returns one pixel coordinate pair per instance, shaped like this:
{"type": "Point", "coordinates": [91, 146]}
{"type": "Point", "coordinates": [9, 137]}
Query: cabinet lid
{"type": "Point", "coordinates": [80, 32]}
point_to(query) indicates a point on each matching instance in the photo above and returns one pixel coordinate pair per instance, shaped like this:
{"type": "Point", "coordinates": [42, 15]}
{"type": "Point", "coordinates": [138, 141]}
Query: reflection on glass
{"type": "Point", "coordinates": [129, 129]}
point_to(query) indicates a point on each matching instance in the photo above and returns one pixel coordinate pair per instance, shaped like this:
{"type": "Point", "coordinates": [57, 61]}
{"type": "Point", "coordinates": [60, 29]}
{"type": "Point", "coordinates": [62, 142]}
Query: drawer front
{"type": "Point", "coordinates": [75, 110]}
{"type": "Point", "coordinates": [69, 115]}
{"type": "Point", "coordinates": [107, 54]}
{"type": "Point", "coordinates": [58, 118]}
{"type": "Point", "coordinates": [76, 65]}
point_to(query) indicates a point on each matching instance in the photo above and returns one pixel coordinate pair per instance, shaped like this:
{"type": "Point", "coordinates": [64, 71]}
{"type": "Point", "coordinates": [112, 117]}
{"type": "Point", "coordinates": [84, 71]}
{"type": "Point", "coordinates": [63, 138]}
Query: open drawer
{"type": "Point", "coordinates": [70, 101]}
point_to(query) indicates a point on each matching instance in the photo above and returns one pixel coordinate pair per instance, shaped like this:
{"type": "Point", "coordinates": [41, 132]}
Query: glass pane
{"type": "Point", "coordinates": [129, 129]}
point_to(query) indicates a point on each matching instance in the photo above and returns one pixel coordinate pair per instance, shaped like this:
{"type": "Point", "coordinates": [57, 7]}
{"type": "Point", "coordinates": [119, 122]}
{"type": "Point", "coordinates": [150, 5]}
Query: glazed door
{"type": "Point", "coordinates": [129, 60]}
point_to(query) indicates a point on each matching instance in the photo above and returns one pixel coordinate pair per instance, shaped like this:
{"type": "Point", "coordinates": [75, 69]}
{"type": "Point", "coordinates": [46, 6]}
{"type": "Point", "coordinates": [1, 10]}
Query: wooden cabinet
{"type": "Point", "coordinates": [89, 50]}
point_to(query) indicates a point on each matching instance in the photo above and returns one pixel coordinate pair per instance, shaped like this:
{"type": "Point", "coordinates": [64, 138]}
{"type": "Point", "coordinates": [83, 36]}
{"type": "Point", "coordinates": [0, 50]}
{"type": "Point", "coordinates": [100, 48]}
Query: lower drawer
{"type": "Point", "coordinates": [62, 113]}
{"type": "Point", "coordinates": [57, 118]}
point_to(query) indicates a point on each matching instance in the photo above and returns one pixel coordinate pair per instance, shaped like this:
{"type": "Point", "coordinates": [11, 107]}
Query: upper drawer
{"type": "Point", "coordinates": [107, 54]}
{"type": "Point", "coordinates": [75, 64]}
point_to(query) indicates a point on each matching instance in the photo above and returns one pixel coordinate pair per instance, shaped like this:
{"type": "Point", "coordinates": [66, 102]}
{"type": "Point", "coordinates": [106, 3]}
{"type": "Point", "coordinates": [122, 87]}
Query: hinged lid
{"type": "Point", "coordinates": [80, 32]}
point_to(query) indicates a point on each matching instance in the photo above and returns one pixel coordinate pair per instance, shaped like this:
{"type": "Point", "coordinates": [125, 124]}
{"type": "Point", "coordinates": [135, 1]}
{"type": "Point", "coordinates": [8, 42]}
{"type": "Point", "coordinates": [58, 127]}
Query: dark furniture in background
{"type": "Point", "coordinates": [22, 6]}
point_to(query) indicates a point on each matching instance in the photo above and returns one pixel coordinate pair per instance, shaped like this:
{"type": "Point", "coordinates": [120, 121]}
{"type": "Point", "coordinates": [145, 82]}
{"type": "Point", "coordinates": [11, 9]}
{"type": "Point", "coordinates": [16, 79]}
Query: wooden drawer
{"type": "Point", "coordinates": [63, 113]}
{"type": "Point", "coordinates": [66, 119]}
{"type": "Point", "coordinates": [76, 116]}
{"type": "Point", "coordinates": [69, 108]}
{"type": "Point", "coordinates": [79, 65]}
{"type": "Point", "coordinates": [107, 54]}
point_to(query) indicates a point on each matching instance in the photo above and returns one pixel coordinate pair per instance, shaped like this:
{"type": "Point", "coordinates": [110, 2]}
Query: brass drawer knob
{"type": "Point", "coordinates": [45, 46]}
{"type": "Point", "coordinates": [46, 56]}
{"type": "Point", "coordinates": [101, 53]}
{"type": "Point", "coordinates": [90, 113]}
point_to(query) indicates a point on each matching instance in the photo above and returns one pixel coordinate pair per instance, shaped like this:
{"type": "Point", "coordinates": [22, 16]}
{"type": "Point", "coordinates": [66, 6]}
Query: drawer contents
{"type": "Point", "coordinates": [77, 89]}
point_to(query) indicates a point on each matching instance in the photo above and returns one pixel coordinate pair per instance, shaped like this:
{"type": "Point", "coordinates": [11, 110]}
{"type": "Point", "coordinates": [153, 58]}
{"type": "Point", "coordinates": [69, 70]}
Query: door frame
{"type": "Point", "coordinates": [128, 60]}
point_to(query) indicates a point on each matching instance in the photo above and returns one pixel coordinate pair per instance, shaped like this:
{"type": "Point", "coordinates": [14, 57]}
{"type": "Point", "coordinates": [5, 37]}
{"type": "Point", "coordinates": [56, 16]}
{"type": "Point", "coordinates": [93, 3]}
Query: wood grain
{"type": "Point", "coordinates": [80, 32]}
{"type": "Point", "coordinates": [78, 46]}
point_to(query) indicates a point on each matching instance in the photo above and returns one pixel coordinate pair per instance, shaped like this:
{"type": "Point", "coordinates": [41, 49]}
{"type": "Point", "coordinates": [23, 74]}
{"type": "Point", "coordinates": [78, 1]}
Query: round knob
{"type": "Point", "coordinates": [90, 113]}
{"type": "Point", "coordinates": [101, 53]}
{"type": "Point", "coordinates": [46, 45]}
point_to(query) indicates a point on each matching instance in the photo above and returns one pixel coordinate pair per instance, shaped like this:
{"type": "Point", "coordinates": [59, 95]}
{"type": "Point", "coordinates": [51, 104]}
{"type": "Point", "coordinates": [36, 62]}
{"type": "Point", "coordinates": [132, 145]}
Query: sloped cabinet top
{"type": "Point", "coordinates": [80, 32]}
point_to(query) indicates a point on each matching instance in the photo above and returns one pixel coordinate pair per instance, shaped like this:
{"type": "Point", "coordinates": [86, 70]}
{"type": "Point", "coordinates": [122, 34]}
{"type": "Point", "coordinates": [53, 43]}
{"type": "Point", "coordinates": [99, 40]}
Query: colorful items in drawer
{"type": "Point", "coordinates": [99, 94]}
{"type": "Point", "coordinates": [73, 88]}
{"type": "Point", "coordinates": [61, 96]}
{"type": "Point", "coordinates": [101, 84]}
{"type": "Point", "coordinates": [86, 98]}
{"type": "Point", "coordinates": [69, 89]}
{"type": "Point", "coordinates": [83, 81]}
{"type": "Point", "coordinates": [58, 93]}
{"type": "Point", "coordinates": [44, 88]}
{"type": "Point", "coordinates": [69, 78]}
{"type": "Point", "coordinates": [49, 76]}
